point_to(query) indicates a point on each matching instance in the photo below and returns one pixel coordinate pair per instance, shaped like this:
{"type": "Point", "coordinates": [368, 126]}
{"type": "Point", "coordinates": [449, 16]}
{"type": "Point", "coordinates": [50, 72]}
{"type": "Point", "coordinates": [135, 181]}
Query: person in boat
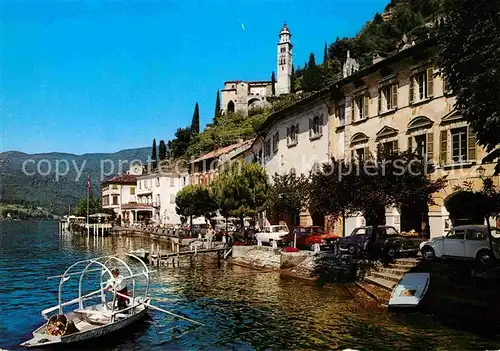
{"type": "Point", "coordinates": [117, 284]}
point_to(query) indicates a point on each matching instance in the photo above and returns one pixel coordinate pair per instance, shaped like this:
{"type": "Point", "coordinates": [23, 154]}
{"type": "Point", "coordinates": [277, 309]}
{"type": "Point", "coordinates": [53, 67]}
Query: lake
{"type": "Point", "coordinates": [242, 309]}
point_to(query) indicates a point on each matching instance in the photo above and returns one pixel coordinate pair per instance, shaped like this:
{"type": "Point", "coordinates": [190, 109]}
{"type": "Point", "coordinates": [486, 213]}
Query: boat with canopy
{"type": "Point", "coordinates": [86, 320]}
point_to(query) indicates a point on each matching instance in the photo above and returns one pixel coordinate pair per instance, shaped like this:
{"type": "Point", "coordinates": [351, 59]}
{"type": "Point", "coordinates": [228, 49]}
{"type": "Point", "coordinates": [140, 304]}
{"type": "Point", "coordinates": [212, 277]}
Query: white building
{"type": "Point", "coordinates": [295, 139]}
{"type": "Point", "coordinates": [118, 192]}
{"type": "Point", "coordinates": [239, 95]}
{"type": "Point", "coordinates": [158, 191]}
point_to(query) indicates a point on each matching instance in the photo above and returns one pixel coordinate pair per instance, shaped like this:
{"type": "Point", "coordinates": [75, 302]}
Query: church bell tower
{"type": "Point", "coordinates": [284, 81]}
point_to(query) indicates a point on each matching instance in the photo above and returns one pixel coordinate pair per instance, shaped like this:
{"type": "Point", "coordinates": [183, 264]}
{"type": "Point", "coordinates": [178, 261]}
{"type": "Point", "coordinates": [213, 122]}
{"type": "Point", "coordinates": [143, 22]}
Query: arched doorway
{"type": "Point", "coordinates": [465, 207]}
{"type": "Point", "coordinates": [230, 106]}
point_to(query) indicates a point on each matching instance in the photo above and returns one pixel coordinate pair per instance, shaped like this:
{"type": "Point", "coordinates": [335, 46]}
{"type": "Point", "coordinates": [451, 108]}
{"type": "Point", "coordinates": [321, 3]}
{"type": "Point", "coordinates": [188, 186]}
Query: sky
{"type": "Point", "coordinates": [83, 76]}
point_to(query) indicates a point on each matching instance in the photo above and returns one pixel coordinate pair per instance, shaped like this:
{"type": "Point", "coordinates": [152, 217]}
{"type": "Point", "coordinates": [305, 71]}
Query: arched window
{"type": "Point", "coordinates": [230, 106]}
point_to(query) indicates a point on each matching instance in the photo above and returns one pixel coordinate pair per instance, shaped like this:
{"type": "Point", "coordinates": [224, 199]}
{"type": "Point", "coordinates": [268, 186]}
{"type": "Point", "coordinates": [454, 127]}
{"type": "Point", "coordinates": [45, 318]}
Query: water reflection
{"type": "Point", "coordinates": [243, 309]}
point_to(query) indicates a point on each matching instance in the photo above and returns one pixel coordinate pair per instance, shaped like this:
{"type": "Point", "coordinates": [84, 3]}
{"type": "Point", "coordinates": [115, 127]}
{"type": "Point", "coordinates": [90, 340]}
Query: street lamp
{"type": "Point", "coordinates": [481, 170]}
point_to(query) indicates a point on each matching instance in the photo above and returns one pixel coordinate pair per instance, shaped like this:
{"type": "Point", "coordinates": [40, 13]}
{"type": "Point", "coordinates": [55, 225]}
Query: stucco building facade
{"type": "Point", "coordinates": [402, 102]}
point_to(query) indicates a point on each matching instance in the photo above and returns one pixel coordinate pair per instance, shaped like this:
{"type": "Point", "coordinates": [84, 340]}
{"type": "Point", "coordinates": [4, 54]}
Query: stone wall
{"type": "Point", "coordinates": [258, 256]}
{"type": "Point", "coordinates": [292, 259]}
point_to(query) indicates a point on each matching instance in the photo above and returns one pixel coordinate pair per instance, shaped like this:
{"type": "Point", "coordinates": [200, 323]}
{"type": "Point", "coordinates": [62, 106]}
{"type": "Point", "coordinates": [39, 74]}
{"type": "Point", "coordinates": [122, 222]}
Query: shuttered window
{"type": "Point", "coordinates": [471, 151]}
{"type": "Point", "coordinates": [366, 103]}
{"type": "Point", "coordinates": [430, 146]}
{"type": "Point", "coordinates": [379, 100]}
{"type": "Point", "coordinates": [394, 102]}
{"type": "Point", "coordinates": [430, 82]}
{"type": "Point", "coordinates": [412, 90]}
{"type": "Point", "coordinates": [443, 148]}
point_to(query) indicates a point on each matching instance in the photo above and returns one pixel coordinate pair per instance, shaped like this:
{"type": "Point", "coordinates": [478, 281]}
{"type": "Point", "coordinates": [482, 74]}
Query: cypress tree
{"type": "Point", "coordinates": [162, 151]}
{"type": "Point", "coordinates": [312, 61]}
{"type": "Point", "coordinates": [273, 84]}
{"type": "Point", "coordinates": [325, 55]}
{"type": "Point", "coordinates": [195, 123]}
{"type": "Point", "coordinates": [153, 155]}
{"type": "Point", "coordinates": [292, 88]}
{"type": "Point", "coordinates": [217, 107]}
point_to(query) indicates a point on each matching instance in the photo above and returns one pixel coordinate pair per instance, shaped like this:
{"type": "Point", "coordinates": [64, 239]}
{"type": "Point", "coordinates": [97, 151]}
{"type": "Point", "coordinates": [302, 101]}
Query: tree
{"type": "Point", "coordinates": [180, 143]}
{"type": "Point", "coordinates": [292, 78]}
{"type": "Point", "coordinates": [325, 55]}
{"type": "Point", "coordinates": [368, 187]}
{"type": "Point", "coordinates": [312, 79]}
{"type": "Point", "coordinates": [153, 155]}
{"type": "Point", "coordinates": [195, 200]}
{"type": "Point", "coordinates": [482, 204]}
{"type": "Point", "coordinates": [312, 60]}
{"type": "Point", "coordinates": [273, 84]}
{"type": "Point", "coordinates": [241, 189]}
{"type": "Point", "coordinates": [195, 123]}
{"type": "Point", "coordinates": [469, 54]}
{"type": "Point", "coordinates": [217, 113]}
{"type": "Point", "coordinates": [94, 206]}
{"type": "Point", "coordinates": [288, 193]}
{"type": "Point", "coordinates": [162, 151]}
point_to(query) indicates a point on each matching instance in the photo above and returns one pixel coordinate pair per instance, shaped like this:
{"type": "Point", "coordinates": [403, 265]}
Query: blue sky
{"type": "Point", "coordinates": [100, 76]}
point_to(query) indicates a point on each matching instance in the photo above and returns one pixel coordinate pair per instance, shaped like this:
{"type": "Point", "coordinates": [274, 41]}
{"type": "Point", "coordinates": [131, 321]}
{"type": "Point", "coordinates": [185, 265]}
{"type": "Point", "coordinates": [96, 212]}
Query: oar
{"type": "Point", "coordinates": [162, 310]}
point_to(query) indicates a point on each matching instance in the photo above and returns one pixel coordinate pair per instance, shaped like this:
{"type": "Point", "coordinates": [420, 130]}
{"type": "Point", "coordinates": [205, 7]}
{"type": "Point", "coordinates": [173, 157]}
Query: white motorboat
{"type": "Point", "coordinates": [410, 290]}
{"type": "Point", "coordinates": [94, 320]}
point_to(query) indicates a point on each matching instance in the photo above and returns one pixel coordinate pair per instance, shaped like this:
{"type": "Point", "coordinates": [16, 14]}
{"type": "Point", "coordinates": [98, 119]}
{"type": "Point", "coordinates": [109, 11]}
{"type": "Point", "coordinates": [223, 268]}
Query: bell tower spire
{"type": "Point", "coordinates": [284, 55]}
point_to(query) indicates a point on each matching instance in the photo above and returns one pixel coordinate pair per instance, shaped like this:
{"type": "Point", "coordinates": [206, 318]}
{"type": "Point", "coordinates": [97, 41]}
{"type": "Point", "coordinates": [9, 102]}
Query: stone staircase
{"type": "Point", "coordinates": [382, 279]}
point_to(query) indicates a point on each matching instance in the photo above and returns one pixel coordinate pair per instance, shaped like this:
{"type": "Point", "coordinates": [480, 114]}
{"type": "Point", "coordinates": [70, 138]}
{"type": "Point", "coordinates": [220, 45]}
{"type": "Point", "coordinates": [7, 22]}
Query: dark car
{"type": "Point", "coordinates": [380, 241]}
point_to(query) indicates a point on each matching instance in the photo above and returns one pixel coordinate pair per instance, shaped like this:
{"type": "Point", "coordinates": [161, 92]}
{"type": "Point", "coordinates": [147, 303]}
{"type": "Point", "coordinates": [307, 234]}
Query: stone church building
{"type": "Point", "coordinates": [239, 95]}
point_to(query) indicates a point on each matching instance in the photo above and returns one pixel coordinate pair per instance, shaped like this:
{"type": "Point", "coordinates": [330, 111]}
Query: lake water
{"type": "Point", "coordinates": [242, 309]}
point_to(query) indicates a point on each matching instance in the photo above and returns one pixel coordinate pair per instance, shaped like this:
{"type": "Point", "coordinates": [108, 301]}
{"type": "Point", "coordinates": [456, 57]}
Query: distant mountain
{"type": "Point", "coordinates": [56, 180]}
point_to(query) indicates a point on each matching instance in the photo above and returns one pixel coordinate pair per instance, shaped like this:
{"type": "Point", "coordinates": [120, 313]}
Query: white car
{"type": "Point", "coordinates": [463, 242]}
{"type": "Point", "coordinates": [272, 233]}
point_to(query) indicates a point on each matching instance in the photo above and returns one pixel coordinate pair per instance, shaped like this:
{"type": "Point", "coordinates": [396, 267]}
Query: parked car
{"type": "Point", "coordinates": [271, 233]}
{"type": "Point", "coordinates": [385, 239]}
{"type": "Point", "coordinates": [463, 242]}
{"type": "Point", "coordinates": [308, 236]}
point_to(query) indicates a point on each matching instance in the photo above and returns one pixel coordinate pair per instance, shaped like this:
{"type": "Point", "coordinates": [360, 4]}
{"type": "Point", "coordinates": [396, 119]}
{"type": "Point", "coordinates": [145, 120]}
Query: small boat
{"type": "Point", "coordinates": [410, 290]}
{"type": "Point", "coordinates": [94, 320]}
{"type": "Point", "coordinates": [141, 253]}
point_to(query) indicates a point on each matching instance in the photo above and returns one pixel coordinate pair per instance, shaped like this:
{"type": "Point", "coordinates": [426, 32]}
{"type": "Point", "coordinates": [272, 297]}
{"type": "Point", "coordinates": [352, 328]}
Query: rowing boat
{"type": "Point", "coordinates": [95, 319]}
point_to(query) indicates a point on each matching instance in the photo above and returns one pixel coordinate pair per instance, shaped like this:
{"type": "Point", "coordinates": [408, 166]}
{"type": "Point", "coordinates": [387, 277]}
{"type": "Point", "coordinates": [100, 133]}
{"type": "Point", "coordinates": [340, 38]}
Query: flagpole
{"type": "Point", "coordinates": [88, 196]}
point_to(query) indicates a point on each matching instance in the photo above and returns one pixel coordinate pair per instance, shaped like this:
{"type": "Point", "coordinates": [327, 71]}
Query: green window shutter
{"type": "Point", "coordinates": [410, 142]}
{"type": "Point", "coordinates": [296, 133]}
{"type": "Point", "coordinates": [443, 150]}
{"type": "Point", "coordinates": [471, 145]}
{"type": "Point", "coordinates": [430, 81]}
{"type": "Point", "coordinates": [352, 110]}
{"type": "Point", "coordinates": [395, 145]}
{"type": "Point", "coordinates": [310, 128]}
{"type": "Point", "coordinates": [412, 89]}
{"type": "Point", "coordinates": [352, 155]}
{"type": "Point", "coordinates": [394, 102]}
{"type": "Point", "coordinates": [430, 146]}
{"type": "Point", "coordinates": [366, 100]}
{"type": "Point", "coordinates": [321, 124]}
{"type": "Point", "coordinates": [379, 101]}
